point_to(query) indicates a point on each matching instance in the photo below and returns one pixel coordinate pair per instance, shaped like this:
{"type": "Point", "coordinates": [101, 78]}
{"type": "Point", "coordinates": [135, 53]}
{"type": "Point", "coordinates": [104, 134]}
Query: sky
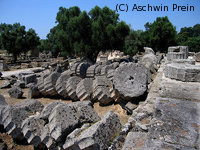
{"type": "Point", "coordinates": [41, 14]}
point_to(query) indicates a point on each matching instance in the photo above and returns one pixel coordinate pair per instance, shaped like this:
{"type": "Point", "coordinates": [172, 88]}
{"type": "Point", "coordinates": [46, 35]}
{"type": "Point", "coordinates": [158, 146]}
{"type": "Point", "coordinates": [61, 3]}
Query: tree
{"type": "Point", "coordinates": [193, 43]}
{"type": "Point", "coordinates": [190, 36]}
{"type": "Point", "coordinates": [32, 40]}
{"type": "Point", "coordinates": [107, 31]}
{"type": "Point", "coordinates": [84, 34]}
{"type": "Point", "coordinates": [160, 34]}
{"type": "Point", "coordinates": [16, 40]}
{"type": "Point", "coordinates": [43, 45]}
{"type": "Point", "coordinates": [133, 42]}
{"type": "Point", "coordinates": [13, 39]}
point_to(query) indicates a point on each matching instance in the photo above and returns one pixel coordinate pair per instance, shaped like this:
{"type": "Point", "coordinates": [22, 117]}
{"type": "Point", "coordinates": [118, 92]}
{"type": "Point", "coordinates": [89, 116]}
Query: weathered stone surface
{"type": "Point", "coordinates": [180, 90]}
{"type": "Point", "coordinates": [3, 66]}
{"type": "Point", "coordinates": [176, 55]}
{"type": "Point", "coordinates": [2, 100]}
{"type": "Point", "coordinates": [82, 68]}
{"type": "Point", "coordinates": [3, 104]}
{"type": "Point", "coordinates": [15, 92]}
{"type": "Point", "coordinates": [85, 112]}
{"type": "Point", "coordinates": [110, 74]}
{"type": "Point", "coordinates": [11, 79]}
{"type": "Point", "coordinates": [130, 107]}
{"type": "Point", "coordinates": [101, 90]}
{"type": "Point", "coordinates": [33, 92]}
{"type": "Point", "coordinates": [172, 128]}
{"type": "Point", "coordinates": [61, 83]}
{"type": "Point", "coordinates": [32, 128]}
{"type": "Point", "coordinates": [46, 138]}
{"type": "Point", "coordinates": [13, 116]}
{"type": "Point", "coordinates": [130, 80]}
{"type": "Point", "coordinates": [62, 121]}
{"type": "Point", "coordinates": [160, 57]}
{"type": "Point", "coordinates": [50, 82]}
{"type": "Point", "coordinates": [5, 85]}
{"type": "Point", "coordinates": [111, 70]}
{"type": "Point", "coordinates": [182, 72]}
{"type": "Point", "coordinates": [71, 85]}
{"type": "Point", "coordinates": [84, 89]}
{"type": "Point", "coordinates": [134, 141]}
{"type": "Point", "coordinates": [98, 136]}
{"type": "Point", "coordinates": [58, 69]}
{"type": "Point", "coordinates": [73, 67]}
{"type": "Point", "coordinates": [106, 68]}
{"type": "Point", "coordinates": [150, 61]}
{"type": "Point", "coordinates": [98, 69]}
{"type": "Point", "coordinates": [20, 84]}
{"type": "Point", "coordinates": [183, 61]}
{"type": "Point", "coordinates": [149, 50]}
{"type": "Point", "coordinates": [90, 73]}
{"type": "Point", "coordinates": [177, 52]}
{"type": "Point", "coordinates": [21, 75]}
{"type": "Point", "coordinates": [77, 131]}
{"type": "Point", "coordinates": [48, 110]}
{"type": "Point", "coordinates": [30, 79]}
{"type": "Point", "coordinates": [40, 84]}
{"type": "Point", "coordinates": [197, 57]}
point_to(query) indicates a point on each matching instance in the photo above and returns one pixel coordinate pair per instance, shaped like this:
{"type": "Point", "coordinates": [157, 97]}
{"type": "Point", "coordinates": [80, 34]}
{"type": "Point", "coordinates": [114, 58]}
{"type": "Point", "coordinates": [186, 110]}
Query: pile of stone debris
{"type": "Point", "coordinates": [167, 119]}
{"type": "Point", "coordinates": [74, 126]}
{"type": "Point", "coordinates": [59, 125]}
{"type": "Point", "coordinates": [170, 116]}
{"type": "Point", "coordinates": [105, 83]}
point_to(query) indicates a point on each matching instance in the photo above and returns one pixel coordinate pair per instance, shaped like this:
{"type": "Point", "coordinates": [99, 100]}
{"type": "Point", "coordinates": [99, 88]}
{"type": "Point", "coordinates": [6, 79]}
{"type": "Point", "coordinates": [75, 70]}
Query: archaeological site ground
{"type": "Point", "coordinates": [145, 103]}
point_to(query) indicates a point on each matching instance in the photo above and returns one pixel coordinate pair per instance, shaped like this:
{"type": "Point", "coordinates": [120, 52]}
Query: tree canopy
{"type": "Point", "coordinates": [79, 33]}
{"type": "Point", "coordinates": [160, 34]}
{"type": "Point", "coordinates": [16, 40]}
{"type": "Point", "coordinates": [190, 36]}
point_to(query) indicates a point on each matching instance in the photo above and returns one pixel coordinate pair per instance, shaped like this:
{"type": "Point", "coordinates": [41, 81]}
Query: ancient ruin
{"type": "Point", "coordinates": [161, 97]}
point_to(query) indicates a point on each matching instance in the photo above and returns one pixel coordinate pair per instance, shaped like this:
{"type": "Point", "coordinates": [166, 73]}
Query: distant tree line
{"type": "Point", "coordinates": [190, 36]}
{"type": "Point", "coordinates": [16, 40]}
{"type": "Point", "coordinates": [160, 35]}
{"type": "Point", "coordinates": [81, 34]}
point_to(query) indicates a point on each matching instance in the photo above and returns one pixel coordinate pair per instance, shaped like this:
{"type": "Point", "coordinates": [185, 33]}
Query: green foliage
{"type": "Point", "coordinates": [193, 43]}
{"type": "Point", "coordinates": [32, 40]}
{"type": "Point", "coordinates": [160, 34]}
{"type": "Point", "coordinates": [190, 36]}
{"type": "Point", "coordinates": [133, 42]}
{"type": "Point", "coordinates": [16, 40]}
{"type": "Point", "coordinates": [84, 34]}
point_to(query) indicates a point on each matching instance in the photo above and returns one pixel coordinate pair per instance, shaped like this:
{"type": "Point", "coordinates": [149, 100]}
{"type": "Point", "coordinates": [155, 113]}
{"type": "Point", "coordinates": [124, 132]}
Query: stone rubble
{"type": "Point", "coordinates": [197, 57]}
{"type": "Point", "coordinates": [168, 118]}
{"type": "Point", "coordinates": [97, 136]}
{"type": "Point", "coordinates": [15, 92]}
{"type": "Point", "coordinates": [12, 116]}
{"type": "Point", "coordinates": [84, 89]}
{"type": "Point", "coordinates": [177, 52]}
{"type": "Point", "coordinates": [61, 83]}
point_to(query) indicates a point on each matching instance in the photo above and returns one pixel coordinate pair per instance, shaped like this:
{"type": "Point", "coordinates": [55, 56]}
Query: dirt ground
{"type": "Point", "coordinates": [11, 101]}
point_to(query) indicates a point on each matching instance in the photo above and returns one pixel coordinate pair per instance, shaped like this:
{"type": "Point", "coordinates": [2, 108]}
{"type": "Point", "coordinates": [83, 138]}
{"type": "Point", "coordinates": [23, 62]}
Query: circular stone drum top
{"type": "Point", "coordinates": [130, 80]}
